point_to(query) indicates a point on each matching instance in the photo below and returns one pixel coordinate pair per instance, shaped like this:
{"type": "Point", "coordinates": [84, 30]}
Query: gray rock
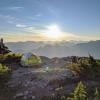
{"type": "Point", "coordinates": [19, 95]}
{"type": "Point", "coordinates": [33, 97]}
{"type": "Point", "coordinates": [68, 74]}
{"type": "Point", "coordinates": [25, 97]}
{"type": "Point", "coordinates": [26, 92]}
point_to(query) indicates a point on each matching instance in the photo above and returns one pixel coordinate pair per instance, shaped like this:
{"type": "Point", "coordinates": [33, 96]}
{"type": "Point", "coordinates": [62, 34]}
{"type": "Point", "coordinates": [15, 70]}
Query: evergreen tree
{"type": "Point", "coordinates": [97, 95]}
{"type": "Point", "coordinates": [91, 59]}
{"type": "Point", "coordinates": [3, 48]}
{"type": "Point", "coordinates": [79, 93]}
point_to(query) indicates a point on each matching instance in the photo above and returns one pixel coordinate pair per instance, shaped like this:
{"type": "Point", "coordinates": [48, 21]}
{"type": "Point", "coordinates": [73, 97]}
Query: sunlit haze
{"type": "Point", "coordinates": [49, 20]}
{"type": "Point", "coordinates": [53, 32]}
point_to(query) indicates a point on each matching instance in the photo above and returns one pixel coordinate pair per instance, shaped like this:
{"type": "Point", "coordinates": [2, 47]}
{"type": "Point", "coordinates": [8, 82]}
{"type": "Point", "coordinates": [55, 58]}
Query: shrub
{"type": "Point", "coordinates": [9, 57]}
{"type": "Point", "coordinates": [4, 73]}
{"type": "Point", "coordinates": [75, 67]}
{"type": "Point", "coordinates": [97, 95]}
{"type": "Point", "coordinates": [79, 93]}
{"type": "Point", "coordinates": [87, 67]}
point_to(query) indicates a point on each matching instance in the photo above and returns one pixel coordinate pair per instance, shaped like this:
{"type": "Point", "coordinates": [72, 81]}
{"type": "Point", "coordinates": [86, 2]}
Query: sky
{"type": "Point", "coordinates": [28, 20]}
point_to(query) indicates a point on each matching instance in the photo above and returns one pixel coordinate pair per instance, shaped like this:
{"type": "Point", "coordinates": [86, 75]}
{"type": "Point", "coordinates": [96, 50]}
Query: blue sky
{"type": "Point", "coordinates": [28, 18]}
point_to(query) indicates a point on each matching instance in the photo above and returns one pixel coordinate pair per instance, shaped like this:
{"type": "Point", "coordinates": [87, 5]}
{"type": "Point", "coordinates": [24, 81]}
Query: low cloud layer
{"type": "Point", "coordinates": [40, 37]}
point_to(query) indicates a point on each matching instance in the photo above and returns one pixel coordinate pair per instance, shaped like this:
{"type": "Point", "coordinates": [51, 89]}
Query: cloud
{"type": "Point", "coordinates": [38, 33]}
{"type": "Point", "coordinates": [34, 29]}
{"type": "Point", "coordinates": [29, 29]}
{"type": "Point", "coordinates": [12, 37]}
{"type": "Point", "coordinates": [22, 37]}
{"type": "Point", "coordinates": [26, 28]}
{"type": "Point", "coordinates": [30, 33]}
{"type": "Point", "coordinates": [14, 8]}
{"type": "Point", "coordinates": [7, 17]}
{"type": "Point", "coordinates": [21, 25]}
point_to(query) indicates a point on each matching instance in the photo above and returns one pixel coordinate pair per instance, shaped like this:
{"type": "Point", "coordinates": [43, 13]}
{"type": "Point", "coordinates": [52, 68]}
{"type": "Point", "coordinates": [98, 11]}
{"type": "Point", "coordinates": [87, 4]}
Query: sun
{"type": "Point", "coordinates": [53, 31]}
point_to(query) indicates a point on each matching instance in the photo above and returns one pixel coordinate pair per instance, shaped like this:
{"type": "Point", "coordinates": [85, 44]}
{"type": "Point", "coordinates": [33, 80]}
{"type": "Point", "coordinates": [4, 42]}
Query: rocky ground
{"type": "Point", "coordinates": [41, 83]}
{"type": "Point", "coordinates": [36, 83]}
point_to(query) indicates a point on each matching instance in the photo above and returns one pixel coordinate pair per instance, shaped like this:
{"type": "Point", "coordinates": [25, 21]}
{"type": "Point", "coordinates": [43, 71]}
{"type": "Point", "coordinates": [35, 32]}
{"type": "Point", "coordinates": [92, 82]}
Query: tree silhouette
{"type": "Point", "coordinates": [3, 48]}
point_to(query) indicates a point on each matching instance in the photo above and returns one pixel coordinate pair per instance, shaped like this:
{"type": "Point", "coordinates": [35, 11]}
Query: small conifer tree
{"type": "Point", "coordinates": [79, 93]}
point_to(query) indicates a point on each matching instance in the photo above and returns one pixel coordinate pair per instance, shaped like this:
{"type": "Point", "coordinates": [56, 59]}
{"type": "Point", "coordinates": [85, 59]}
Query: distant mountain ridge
{"type": "Point", "coordinates": [60, 49]}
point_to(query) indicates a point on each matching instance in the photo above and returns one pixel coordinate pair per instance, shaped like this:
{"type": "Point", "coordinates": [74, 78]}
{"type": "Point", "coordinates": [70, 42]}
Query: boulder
{"type": "Point", "coordinates": [69, 74]}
